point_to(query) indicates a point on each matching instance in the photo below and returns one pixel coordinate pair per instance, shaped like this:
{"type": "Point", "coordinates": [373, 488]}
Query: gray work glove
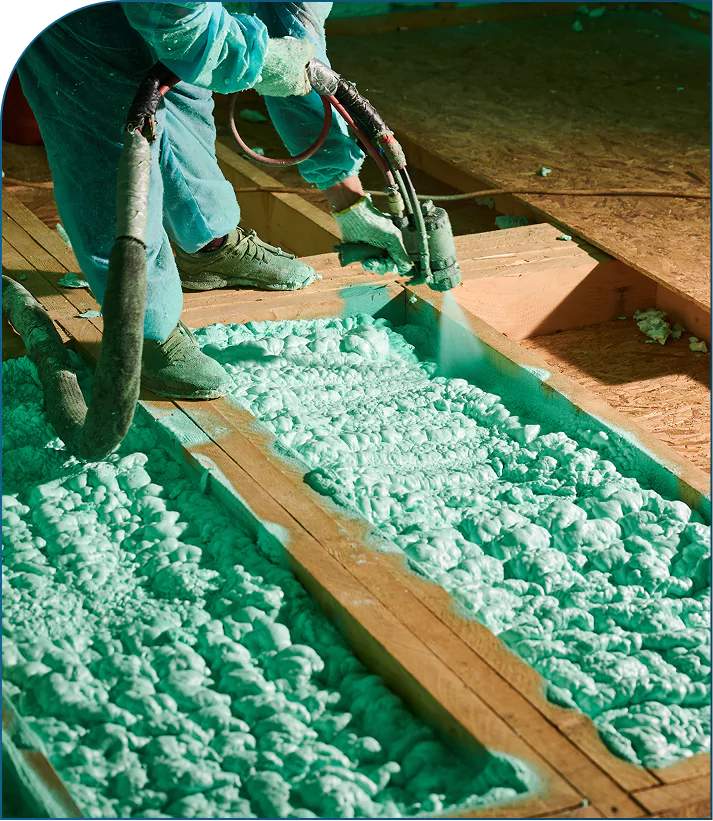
{"type": "Point", "coordinates": [284, 71]}
{"type": "Point", "coordinates": [362, 223]}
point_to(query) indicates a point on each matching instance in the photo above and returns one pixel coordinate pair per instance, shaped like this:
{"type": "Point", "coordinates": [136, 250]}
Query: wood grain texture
{"type": "Point", "coordinates": [285, 219]}
{"type": "Point", "coordinates": [664, 389]}
{"type": "Point", "coordinates": [579, 812]}
{"type": "Point", "coordinates": [677, 797]}
{"type": "Point", "coordinates": [622, 103]}
{"type": "Point", "coordinates": [686, 770]}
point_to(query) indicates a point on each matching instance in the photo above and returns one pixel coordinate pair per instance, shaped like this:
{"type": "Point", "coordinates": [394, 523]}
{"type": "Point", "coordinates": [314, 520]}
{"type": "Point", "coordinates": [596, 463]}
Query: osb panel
{"type": "Point", "coordinates": [622, 103]}
{"type": "Point", "coordinates": [666, 388]}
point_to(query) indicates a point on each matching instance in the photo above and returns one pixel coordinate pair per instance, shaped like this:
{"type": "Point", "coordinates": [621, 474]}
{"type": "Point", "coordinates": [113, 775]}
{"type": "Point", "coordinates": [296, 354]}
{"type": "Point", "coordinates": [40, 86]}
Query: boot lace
{"type": "Point", "coordinates": [260, 251]}
{"type": "Point", "coordinates": [179, 342]}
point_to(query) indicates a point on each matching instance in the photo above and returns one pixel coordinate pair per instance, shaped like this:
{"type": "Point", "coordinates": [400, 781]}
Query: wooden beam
{"type": "Point", "coordinates": [686, 770]}
{"type": "Point", "coordinates": [541, 284]}
{"type": "Point", "coordinates": [664, 800]}
{"type": "Point", "coordinates": [280, 219]}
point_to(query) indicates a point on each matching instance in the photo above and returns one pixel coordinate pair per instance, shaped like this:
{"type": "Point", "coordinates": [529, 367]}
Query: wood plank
{"type": "Point", "coordinates": [581, 811]}
{"type": "Point", "coordinates": [46, 237]}
{"type": "Point", "coordinates": [677, 797]}
{"type": "Point", "coordinates": [280, 219]}
{"type": "Point", "coordinates": [524, 122]}
{"type": "Point", "coordinates": [16, 266]}
{"type": "Point", "coordinates": [535, 299]}
{"type": "Point", "coordinates": [686, 770]}
{"type": "Point", "coordinates": [311, 305]}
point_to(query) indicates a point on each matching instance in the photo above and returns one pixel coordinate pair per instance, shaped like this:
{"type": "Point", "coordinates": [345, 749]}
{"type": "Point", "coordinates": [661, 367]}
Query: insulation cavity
{"type": "Point", "coordinates": [598, 582]}
{"type": "Point", "coordinates": [172, 669]}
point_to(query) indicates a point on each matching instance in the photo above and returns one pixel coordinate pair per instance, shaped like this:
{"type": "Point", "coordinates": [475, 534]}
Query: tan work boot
{"type": "Point", "coordinates": [243, 260]}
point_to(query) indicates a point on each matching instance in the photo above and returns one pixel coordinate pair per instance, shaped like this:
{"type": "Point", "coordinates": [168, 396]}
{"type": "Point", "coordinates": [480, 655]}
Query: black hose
{"type": "Point", "coordinates": [93, 432]}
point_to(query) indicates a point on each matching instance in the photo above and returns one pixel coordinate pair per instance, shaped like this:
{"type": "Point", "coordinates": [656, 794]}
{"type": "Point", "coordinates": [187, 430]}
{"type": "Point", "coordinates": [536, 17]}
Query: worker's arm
{"type": "Point", "coordinates": [202, 43]}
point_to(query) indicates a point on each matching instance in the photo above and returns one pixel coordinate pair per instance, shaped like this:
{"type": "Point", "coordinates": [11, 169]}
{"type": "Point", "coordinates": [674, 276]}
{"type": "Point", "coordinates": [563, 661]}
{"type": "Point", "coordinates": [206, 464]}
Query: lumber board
{"type": "Point", "coordinates": [368, 298]}
{"type": "Point", "coordinates": [280, 219]}
{"type": "Point", "coordinates": [632, 131]}
{"type": "Point", "coordinates": [547, 293]}
{"type": "Point", "coordinates": [686, 770]}
{"type": "Point", "coordinates": [668, 798]}
{"type": "Point", "coordinates": [583, 810]}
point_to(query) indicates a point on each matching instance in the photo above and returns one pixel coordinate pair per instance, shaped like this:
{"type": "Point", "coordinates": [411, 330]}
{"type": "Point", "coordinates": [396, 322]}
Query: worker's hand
{"type": "Point", "coordinates": [362, 223]}
{"type": "Point", "coordinates": [284, 71]}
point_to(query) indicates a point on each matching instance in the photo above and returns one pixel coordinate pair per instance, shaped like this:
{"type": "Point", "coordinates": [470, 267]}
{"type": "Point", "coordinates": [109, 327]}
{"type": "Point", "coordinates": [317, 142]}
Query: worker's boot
{"type": "Point", "coordinates": [243, 260]}
{"type": "Point", "coordinates": [177, 368]}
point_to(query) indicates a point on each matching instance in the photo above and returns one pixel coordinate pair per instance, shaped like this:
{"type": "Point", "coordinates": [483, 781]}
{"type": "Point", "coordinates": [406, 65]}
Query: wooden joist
{"type": "Point", "coordinates": [280, 219]}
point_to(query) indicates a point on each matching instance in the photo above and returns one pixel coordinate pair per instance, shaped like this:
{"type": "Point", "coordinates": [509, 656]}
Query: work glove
{"type": "Point", "coordinates": [362, 223]}
{"type": "Point", "coordinates": [284, 70]}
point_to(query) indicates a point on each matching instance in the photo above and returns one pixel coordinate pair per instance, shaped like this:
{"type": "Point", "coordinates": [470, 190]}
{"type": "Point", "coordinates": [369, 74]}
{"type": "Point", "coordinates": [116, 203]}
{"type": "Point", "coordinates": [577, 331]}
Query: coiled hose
{"type": "Point", "coordinates": [92, 432]}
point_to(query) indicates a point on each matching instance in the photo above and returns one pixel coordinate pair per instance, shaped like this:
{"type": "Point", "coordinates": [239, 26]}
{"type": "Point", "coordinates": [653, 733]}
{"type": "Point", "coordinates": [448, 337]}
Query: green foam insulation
{"type": "Point", "coordinates": [548, 539]}
{"type": "Point", "coordinates": [171, 666]}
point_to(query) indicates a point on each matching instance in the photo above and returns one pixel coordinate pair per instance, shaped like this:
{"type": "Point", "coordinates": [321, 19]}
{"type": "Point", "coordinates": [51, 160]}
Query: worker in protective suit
{"type": "Point", "coordinates": [80, 77]}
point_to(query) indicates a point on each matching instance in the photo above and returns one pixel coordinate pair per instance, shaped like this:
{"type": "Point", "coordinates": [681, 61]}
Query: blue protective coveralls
{"type": "Point", "coordinates": [80, 76]}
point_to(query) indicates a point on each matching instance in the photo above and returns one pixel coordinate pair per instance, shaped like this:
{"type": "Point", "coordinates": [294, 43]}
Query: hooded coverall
{"type": "Point", "coordinates": [80, 76]}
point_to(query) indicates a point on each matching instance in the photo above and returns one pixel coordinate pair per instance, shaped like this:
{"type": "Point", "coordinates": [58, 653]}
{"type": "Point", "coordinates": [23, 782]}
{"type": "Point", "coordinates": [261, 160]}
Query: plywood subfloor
{"type": "Point", "coordinates": [623, 103]}
{"type": "Point", "coordinates": [665, 388]}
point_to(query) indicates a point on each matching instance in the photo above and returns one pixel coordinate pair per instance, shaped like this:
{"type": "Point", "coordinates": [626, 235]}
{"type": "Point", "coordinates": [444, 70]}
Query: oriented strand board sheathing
{"type": "Point", "coordinates": [621, 103]}
{"type": "Point", "coordinates": [664, 388]}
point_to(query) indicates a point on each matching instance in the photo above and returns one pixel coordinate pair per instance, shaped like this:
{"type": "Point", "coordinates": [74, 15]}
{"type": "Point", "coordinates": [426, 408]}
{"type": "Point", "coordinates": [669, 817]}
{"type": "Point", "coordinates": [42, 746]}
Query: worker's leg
{"type": "Point", "coordinates": [299, 119]}
{"type": "Point", "coordinates": [80, 105]}
{"type": "Point", "coordinates": [199, 203]}
{"type": "Point", "coordinates": [200, 207]}
{"type": "Point", "coordinates": [79, 77]}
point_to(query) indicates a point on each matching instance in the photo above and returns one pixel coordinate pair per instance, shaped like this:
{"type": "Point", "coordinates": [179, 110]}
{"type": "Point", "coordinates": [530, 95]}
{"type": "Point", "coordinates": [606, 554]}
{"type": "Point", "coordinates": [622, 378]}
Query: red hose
{"type": "Point", "coordinates": [364, 140]}
{"type": "Point", "coordinates": [329, 102]}
{"type": "Point", "coordinates": [298, 158]}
